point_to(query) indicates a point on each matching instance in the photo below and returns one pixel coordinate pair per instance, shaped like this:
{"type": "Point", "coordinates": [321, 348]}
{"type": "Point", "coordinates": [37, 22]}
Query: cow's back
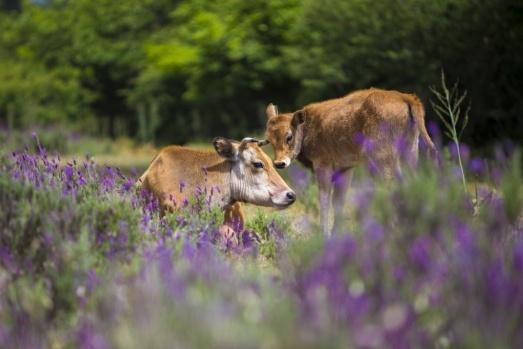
{"type": "Point", "coordinates": [337, 130]}
{"type": "Point", "coordinates": [176, 173]}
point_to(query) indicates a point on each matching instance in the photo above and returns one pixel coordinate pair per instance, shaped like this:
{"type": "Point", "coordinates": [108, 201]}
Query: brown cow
{"type": "Point", "coordinates": [240, 171]}
{"type": "Point", "coordinates": [334, 136]}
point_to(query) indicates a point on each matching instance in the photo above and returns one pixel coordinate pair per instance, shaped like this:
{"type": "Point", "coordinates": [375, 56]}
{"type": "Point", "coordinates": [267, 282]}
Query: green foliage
{"type": "Point", "coordinates": [404, 44]}
{"type": "Point", "coordinates": [309, 197]}
{"type": "Point", "coordinates": [33, 94]}
{"type": "Point", "coordinates": [173, 71]}
{"type": "Point", "coordinates": [107, 221]}
{"type": "Point", "coordinates": [269, 228]}
{"type": "Point", "coordinates": [359, 44]}
{"type": "Point", "coordinates": [53, 238]}
{"type": "Point", "coordinates": [31, 220]}
{"type": "Point", "coordinates": [227, 56]}
{"type": "Point", "coordinates": [512, 189]}
{"type": "Point", "coordinates": [81, 53]}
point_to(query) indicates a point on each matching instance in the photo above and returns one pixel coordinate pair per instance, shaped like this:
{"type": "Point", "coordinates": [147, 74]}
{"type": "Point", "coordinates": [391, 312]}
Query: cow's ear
{"type": "Point", "coordinates": [271, 111]}
{"type": "Point", "coordinates": [226, 149]}
{"type": "Point", "coordinates": [299, 117]}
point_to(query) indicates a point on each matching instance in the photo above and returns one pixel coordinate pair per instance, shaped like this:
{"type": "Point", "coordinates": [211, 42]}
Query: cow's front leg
{"type": "Point", "coordinates": [341, 181]}
{"type": "Point", "coordinates": [324, 175]}
{"type": "Point", "coordinates": [233, 216]}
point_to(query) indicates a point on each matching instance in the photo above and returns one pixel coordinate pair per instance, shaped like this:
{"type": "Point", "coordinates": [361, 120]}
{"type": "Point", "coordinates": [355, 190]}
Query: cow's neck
{"type": "Point", "coordinates": [237, 188]}
{"type": "Point", "coordinates": [304, 160]}
{"type": "Point", "coordinates": [303, 156]}
{"type": "Point", "coordinates": [219, 175]}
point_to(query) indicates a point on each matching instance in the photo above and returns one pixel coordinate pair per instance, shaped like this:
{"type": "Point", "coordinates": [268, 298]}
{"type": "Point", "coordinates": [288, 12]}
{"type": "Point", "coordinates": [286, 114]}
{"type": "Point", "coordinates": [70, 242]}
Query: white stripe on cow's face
{"type": "Point", "coordinates": [254, 180]}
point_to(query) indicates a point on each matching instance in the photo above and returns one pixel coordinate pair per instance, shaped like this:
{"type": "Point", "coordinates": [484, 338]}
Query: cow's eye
{"type": "Point", "coordinates": [257, 164]}
{"type": "Point", "coordinates": [288, 139]}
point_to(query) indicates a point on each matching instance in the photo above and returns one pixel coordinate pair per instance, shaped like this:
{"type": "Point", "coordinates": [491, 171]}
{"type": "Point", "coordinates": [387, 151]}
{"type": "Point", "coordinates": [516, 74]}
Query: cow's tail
{"type": "Point", "coordinates": [417, 115]}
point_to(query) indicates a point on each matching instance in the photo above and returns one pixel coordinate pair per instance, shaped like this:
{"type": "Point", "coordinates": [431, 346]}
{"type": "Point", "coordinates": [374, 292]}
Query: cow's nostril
{"type": "Point", "coordinates": [279, 164]}
{"type": "Point", "coordinates": [291, 196]}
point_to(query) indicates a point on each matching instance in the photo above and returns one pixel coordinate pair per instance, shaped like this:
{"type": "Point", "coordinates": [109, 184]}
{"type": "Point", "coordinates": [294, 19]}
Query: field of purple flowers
{"type": "Point", "coordinates": [86, 262]}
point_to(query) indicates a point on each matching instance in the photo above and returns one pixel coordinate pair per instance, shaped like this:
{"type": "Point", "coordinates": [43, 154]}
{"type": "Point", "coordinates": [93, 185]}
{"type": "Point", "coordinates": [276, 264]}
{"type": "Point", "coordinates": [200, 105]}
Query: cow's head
{"type": "Point", "coordinates": [253, 178]}
{"type": "Point", "coordinates": [284, 132]}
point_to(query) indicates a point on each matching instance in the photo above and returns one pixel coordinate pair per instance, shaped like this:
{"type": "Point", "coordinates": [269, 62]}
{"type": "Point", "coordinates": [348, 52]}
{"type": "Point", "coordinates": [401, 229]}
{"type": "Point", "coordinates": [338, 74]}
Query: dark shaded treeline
{"type": "Point", "coordinates": [170, 71]}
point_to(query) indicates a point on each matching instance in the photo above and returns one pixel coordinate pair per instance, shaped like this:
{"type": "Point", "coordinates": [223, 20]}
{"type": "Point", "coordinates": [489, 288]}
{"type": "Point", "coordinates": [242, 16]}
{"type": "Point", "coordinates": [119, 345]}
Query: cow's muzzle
{"type": "Point", "coordinates": [284, 199]}
{"type": "Point", "coordinates": [279, 164]}
{"type": "Point", "coordinates": [291, 196]}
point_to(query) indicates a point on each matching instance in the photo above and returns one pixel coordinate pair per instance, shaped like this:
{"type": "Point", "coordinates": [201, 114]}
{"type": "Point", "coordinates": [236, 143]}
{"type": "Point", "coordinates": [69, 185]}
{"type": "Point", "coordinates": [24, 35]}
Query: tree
{"type": "Point", "coordinates": [31, 90]}
{"type": "Point", "coordinates": [94, 46]}
{"type": "Point", "coordinates": [404, 45]}
{"type": "Point", "coordinates": [176, 70]}
{"type": "Point", "coordinates": [229, 57]}
{"type": "Point", "coordinates": [477, 46]}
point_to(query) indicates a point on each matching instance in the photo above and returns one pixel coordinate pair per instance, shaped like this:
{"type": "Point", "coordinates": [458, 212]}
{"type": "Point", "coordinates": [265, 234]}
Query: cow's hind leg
{"type": "Point", "coordinates": [390, 173]}
{"type": "Point", "coordinates": [341, 181]}
{"type": "Point", "coordinates": [324, 176]}
{"type": "Point", "coordinates": [387, 164]}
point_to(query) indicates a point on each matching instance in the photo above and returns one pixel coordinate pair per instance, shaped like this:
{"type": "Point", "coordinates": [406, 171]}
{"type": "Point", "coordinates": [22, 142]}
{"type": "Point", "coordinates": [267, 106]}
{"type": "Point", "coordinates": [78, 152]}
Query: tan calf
{"type": "Point", "coordinates": [376, 127]}
{"type": "Point", "coordinates": [237, 172]}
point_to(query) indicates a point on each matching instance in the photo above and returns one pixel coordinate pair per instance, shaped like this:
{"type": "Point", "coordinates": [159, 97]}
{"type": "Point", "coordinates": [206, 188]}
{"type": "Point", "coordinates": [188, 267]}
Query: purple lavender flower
{"type": "Point", "coordinates": [517, 261]}
{"type": "Point", "coordinates": [419, 253]}
{"type": "Point", "coordinates": [110, 171]}
{"type": "Point", "coordinates": [477, 166]}
{"type": "Point", "coordinates": [497, 175]}
{"type": "Point", "coordinates": [7, 260]}
{"type": "Point", "coordinates": [299, 178]}
{"type": "Point", "coordinates": [509, 147]}
{"type": "Point", "coordinates": [398, 273]}
{"type": "Point", "coordinates": [434, 131]}
{"type": "Point", "coordinates": [108, 184]}
{"type": "Point", "coordinates": [92, 280]}
{"type": "Point", "coordinates": [127, 185]}
{"type": "Point", "coordinates": [81, 180]}
{"type": "Point", "coordinates": [372, 167]}
{"type": "Point", "coordinates": [374, 229]}
{"type": "Point", "coordinates": [89, 338]}
{"type": "Point", "coordinates": [69, 171]}
{"type": "Point", "coordinates": [359, 139]}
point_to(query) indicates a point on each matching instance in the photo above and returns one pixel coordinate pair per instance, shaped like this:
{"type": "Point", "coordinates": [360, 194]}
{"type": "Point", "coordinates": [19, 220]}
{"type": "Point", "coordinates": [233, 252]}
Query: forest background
{"type": "Point", "coordinates": [174, 71]}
